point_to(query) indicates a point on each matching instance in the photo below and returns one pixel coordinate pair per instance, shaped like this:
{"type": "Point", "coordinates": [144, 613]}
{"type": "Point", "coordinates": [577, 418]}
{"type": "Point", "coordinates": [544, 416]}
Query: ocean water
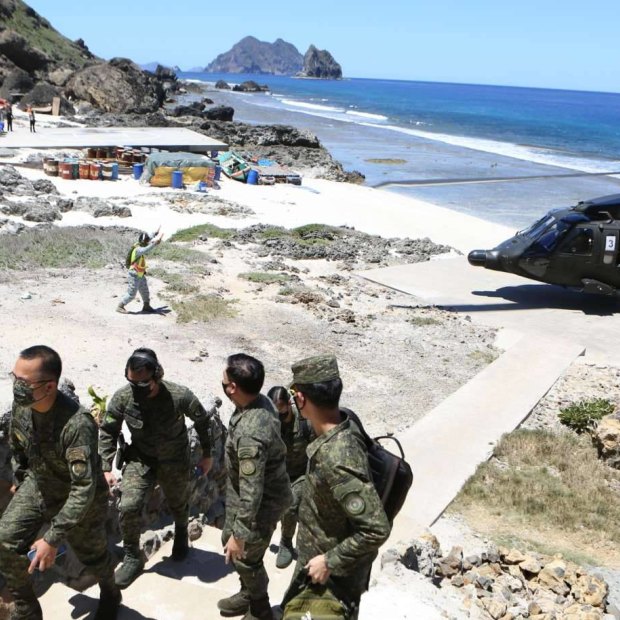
{"type": "Point", "coordinates": [506, 154]}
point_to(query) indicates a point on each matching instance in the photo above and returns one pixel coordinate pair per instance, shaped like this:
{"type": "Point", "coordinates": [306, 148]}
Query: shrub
{"type": "Point", "coordinates": [585, 415]}
{"type": "Point", "coordinates": [193, 233]}
{"type": "Point", "coordinates": [260, 277]}
{"type": "Point", "coordinates": [203, 308]}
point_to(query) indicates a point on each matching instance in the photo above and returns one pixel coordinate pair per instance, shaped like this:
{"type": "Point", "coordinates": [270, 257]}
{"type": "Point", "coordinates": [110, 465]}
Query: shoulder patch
{"type": "Point", "coordinates": [354, 504]}
{"type": "Point", "coordinates": [247, 467]}
{"type": "Point", "coordinates": [79, 468]}
{"type": "Point", "coordinates": [77, 454]}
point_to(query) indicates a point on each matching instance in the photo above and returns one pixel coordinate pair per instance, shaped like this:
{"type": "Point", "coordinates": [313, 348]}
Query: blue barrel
{"type": "Point", "coordinates": [218, 172]}
{"type": "Point", "coordinates": [138, 169]}
{"type": "Point", "coordinates": [177, 179]}
{"type": "Point", "coordinates": [253, 177]}
{"type": "Point", "coordinates": [115, 171]}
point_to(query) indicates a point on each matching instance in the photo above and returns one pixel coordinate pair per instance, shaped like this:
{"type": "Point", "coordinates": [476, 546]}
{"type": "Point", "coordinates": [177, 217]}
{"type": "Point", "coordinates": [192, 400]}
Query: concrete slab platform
{"type": "Point", "coordinates": [508, 301]}
{"type": "Point", "coordinates": [166, 138]}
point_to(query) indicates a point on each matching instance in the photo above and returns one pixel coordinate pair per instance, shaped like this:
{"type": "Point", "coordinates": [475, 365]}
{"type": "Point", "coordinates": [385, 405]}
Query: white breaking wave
{"type": "Point", "coordinates": [376, 117]}
{"type": "Point", "coordinates": [310, 106]}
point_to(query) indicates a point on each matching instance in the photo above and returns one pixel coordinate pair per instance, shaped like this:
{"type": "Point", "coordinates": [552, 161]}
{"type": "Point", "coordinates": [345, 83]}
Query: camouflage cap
{"type": "Point", "coordinates": [315, 369]}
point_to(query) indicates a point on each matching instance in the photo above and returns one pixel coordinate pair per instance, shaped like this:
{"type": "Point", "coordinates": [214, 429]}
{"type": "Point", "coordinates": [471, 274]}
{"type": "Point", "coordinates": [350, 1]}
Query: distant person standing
{"type": "Point", "coordinates": [136, 264]}
{"type": "Point", "coordinates": [2, 119]}
{"type": "Point", "coordinates": [31, 118]}
{"type": "Point", "coordinates": [8, 109]}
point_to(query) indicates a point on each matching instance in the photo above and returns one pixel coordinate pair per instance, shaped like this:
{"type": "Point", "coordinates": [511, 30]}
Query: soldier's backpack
{"type": "Point", "coordinates": [391, 474]}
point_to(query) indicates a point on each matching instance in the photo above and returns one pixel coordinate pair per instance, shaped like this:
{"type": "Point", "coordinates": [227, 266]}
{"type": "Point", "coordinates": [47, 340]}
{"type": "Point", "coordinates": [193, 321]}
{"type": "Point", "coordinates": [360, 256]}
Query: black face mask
{"type": "Point", "coordinates": [140, 392]}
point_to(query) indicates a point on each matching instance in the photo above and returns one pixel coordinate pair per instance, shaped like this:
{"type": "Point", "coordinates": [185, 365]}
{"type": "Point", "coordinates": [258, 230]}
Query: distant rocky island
{"type": "Point", "coordinates": [278, 58]}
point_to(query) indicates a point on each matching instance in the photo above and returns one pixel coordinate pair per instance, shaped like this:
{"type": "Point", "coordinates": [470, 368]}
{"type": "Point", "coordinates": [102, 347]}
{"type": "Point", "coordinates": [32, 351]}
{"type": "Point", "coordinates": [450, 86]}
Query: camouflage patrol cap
{"type": "Point", "coordinates": [315, 369]}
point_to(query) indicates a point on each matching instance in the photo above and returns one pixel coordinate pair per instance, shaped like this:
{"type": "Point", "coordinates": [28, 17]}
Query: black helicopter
{"type": "Point", "coordinates": [575, 247]}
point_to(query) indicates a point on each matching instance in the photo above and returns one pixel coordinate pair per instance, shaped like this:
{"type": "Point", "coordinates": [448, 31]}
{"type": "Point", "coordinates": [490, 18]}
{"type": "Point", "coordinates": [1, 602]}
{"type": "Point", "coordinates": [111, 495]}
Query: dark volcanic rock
{"type": "Point", "coordinates": [44, 186]}
{"type": "Point", "coordinates": [193, 109]}
{"type": "Point", "coordinates": [117, 86]}
{"type": "Point", "coordinates": [99, 208]}
{"type": "Point", "coordinates": [250, 86]}
{"type": "Point", "coordinates": [16, 83]}
{"type": "Point", "coordinates": [42, 94]}
{"type": "Point", "coordinates": [321, 64]}
{"type": "Point", "coordinates": [17, 49]}
{"type": "Point", "coordinates": [219, 113]}
{"type": "Point", "coordinates": [221, 84]}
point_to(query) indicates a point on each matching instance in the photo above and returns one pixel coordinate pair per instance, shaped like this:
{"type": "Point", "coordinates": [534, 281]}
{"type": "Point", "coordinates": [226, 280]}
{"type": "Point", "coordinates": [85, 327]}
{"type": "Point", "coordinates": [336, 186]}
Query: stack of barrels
{"type": "Point", "coordinates": [99, 164]}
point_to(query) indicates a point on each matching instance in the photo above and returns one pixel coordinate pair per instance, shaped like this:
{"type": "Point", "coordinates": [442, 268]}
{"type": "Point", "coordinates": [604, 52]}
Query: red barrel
{"type": "Point", "coordinates": [95, 171]}
{"type": "Point", "coordinates": [65, 170]}
{"type": "Point", "coordinates": [84, 168]}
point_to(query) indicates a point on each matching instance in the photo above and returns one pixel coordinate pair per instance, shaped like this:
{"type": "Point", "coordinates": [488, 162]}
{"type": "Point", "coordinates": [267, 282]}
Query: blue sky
{"type": "Point", "coordinates": [542, 43]}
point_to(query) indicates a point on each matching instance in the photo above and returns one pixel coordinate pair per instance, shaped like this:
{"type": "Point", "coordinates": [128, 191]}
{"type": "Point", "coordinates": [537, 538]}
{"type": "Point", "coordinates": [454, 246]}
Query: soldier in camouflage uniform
{"type": "Point", "coordinates": [58, 479]}
{"type": "Point", "coordinates": [297, 434]}
{"type": "Point", "coordinates": [342, 523]}
{"type": "Point", "coordinates": [258, 488]}
{"type": "Point", "coordinates": [154, 411]}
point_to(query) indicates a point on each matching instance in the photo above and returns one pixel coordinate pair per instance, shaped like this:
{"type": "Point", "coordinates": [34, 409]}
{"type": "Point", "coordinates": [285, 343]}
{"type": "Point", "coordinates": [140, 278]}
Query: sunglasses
{"type": "Point", "coordinates": [140, 384]}
{"type": "Point", "coordinates": [14, 378]}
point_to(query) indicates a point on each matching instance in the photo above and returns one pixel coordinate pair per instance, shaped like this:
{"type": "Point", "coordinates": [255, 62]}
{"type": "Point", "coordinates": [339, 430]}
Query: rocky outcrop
{"type": "Point", "coordinates": [117, 86]}
{"type": "Point", "coordinates": [606, 438]}
{"type": "Point", "coordinates": [250, 86]}
{"type": "Point", "coordinates": [219, 113]}
{"type": "Point", "coordinates": [223, 85]}
{"type": "Point", "coordinates": [508, 583]}
{"type": "Point", "coordinates": [29, 42]}
{"type": "Point", "coordinates": [43, 94]}
{"type": "Point", "coordinates": [253, 56]}
{"type": "Point", "coordinates": [15, 84]}
{"type": "Point", "coordinates": [320, 64]}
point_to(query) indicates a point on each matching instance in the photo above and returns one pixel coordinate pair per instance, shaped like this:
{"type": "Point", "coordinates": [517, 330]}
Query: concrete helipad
{"type": "Point", "coordinates": [167, 138]}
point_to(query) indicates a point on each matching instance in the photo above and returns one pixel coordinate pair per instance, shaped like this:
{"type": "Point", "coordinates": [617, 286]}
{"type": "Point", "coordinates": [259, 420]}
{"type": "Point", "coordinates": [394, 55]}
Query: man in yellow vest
{"type": "Point", "coordinates": [136, 264]}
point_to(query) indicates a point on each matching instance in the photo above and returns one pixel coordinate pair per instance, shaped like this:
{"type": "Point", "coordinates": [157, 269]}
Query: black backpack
{"type": "Point", "coordinates": [391, 474]}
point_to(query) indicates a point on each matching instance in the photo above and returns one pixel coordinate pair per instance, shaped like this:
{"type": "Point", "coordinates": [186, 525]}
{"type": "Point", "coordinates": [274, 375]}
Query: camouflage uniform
{"type": "Point", "coordinates": [258, 488]}
{"type": "Point", "coordinates": [340, 515]}
{"type": "Point", "coordinates": [158, 453]}
{"type": "Point", "coordinates": [58, 473]}
{"type": "Point", "coordinates": [296, 434]}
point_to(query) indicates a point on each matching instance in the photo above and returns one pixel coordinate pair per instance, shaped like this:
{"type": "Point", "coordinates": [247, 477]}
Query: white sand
{"type": "Point", "coordinates": [316, 201]}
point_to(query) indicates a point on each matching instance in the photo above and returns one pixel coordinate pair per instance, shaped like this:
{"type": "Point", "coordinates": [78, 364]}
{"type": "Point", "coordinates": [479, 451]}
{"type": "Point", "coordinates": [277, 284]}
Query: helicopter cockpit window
{"type": "Point", "coordinates": [538, 227]}
{"type": "Point", "coordinates": [579, 242]}
{"type": "Point", "coordinates": [548, 237]}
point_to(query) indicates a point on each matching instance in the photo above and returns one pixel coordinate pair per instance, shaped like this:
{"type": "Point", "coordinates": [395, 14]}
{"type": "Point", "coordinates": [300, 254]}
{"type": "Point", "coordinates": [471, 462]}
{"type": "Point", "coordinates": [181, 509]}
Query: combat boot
{"type": "Point", "coordinates": [260, 609]}
{"type": "Point", "coordinates": [120, 308]}
{"type": "Point", "coordinates": [235, 605]}
{"type": "Point", "coordinates": [109, 601]}
{"type": "Point", "coordinates": [180, 547]}
{"type": "Point", "coordinates": [148, 309]}
{"type": "Point", "coordinates": [131, 568]}
{"type": "Point", "coordinates": [26, 605]}
{"type": "Point", "coordinates": [285, 553]}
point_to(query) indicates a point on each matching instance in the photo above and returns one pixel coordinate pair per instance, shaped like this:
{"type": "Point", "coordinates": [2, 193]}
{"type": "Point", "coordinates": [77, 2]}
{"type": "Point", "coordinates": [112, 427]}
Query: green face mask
{"type": "Point", "coordinates": [23, 393]}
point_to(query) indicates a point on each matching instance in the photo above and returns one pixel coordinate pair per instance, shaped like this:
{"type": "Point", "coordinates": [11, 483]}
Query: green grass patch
{"type": "Point", "coordinates": [388, 161]}
{"type": "Point", "coordinates": [547, 481]}
{"type": "Point", "coordinates": [486, 356]}
{"type": "Point", "coordinates": [319, 230]}
{"type": "Point", "coordinates": [179, 254]}
{"type": "Point", "coordinates": [194, 233]}
{"type": "Point", "coordinates": [274, 232]}
{"type": "Point", "coordinates": [175, 282]}
{"type": "Point", "coordinates": [261, 277]}
{"type": "Point", "coordinates": [203, 308]}
{"type": "Point", "coordinates": [584, 415]}
{"type": "Point", "coordinates": [65, 247]}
